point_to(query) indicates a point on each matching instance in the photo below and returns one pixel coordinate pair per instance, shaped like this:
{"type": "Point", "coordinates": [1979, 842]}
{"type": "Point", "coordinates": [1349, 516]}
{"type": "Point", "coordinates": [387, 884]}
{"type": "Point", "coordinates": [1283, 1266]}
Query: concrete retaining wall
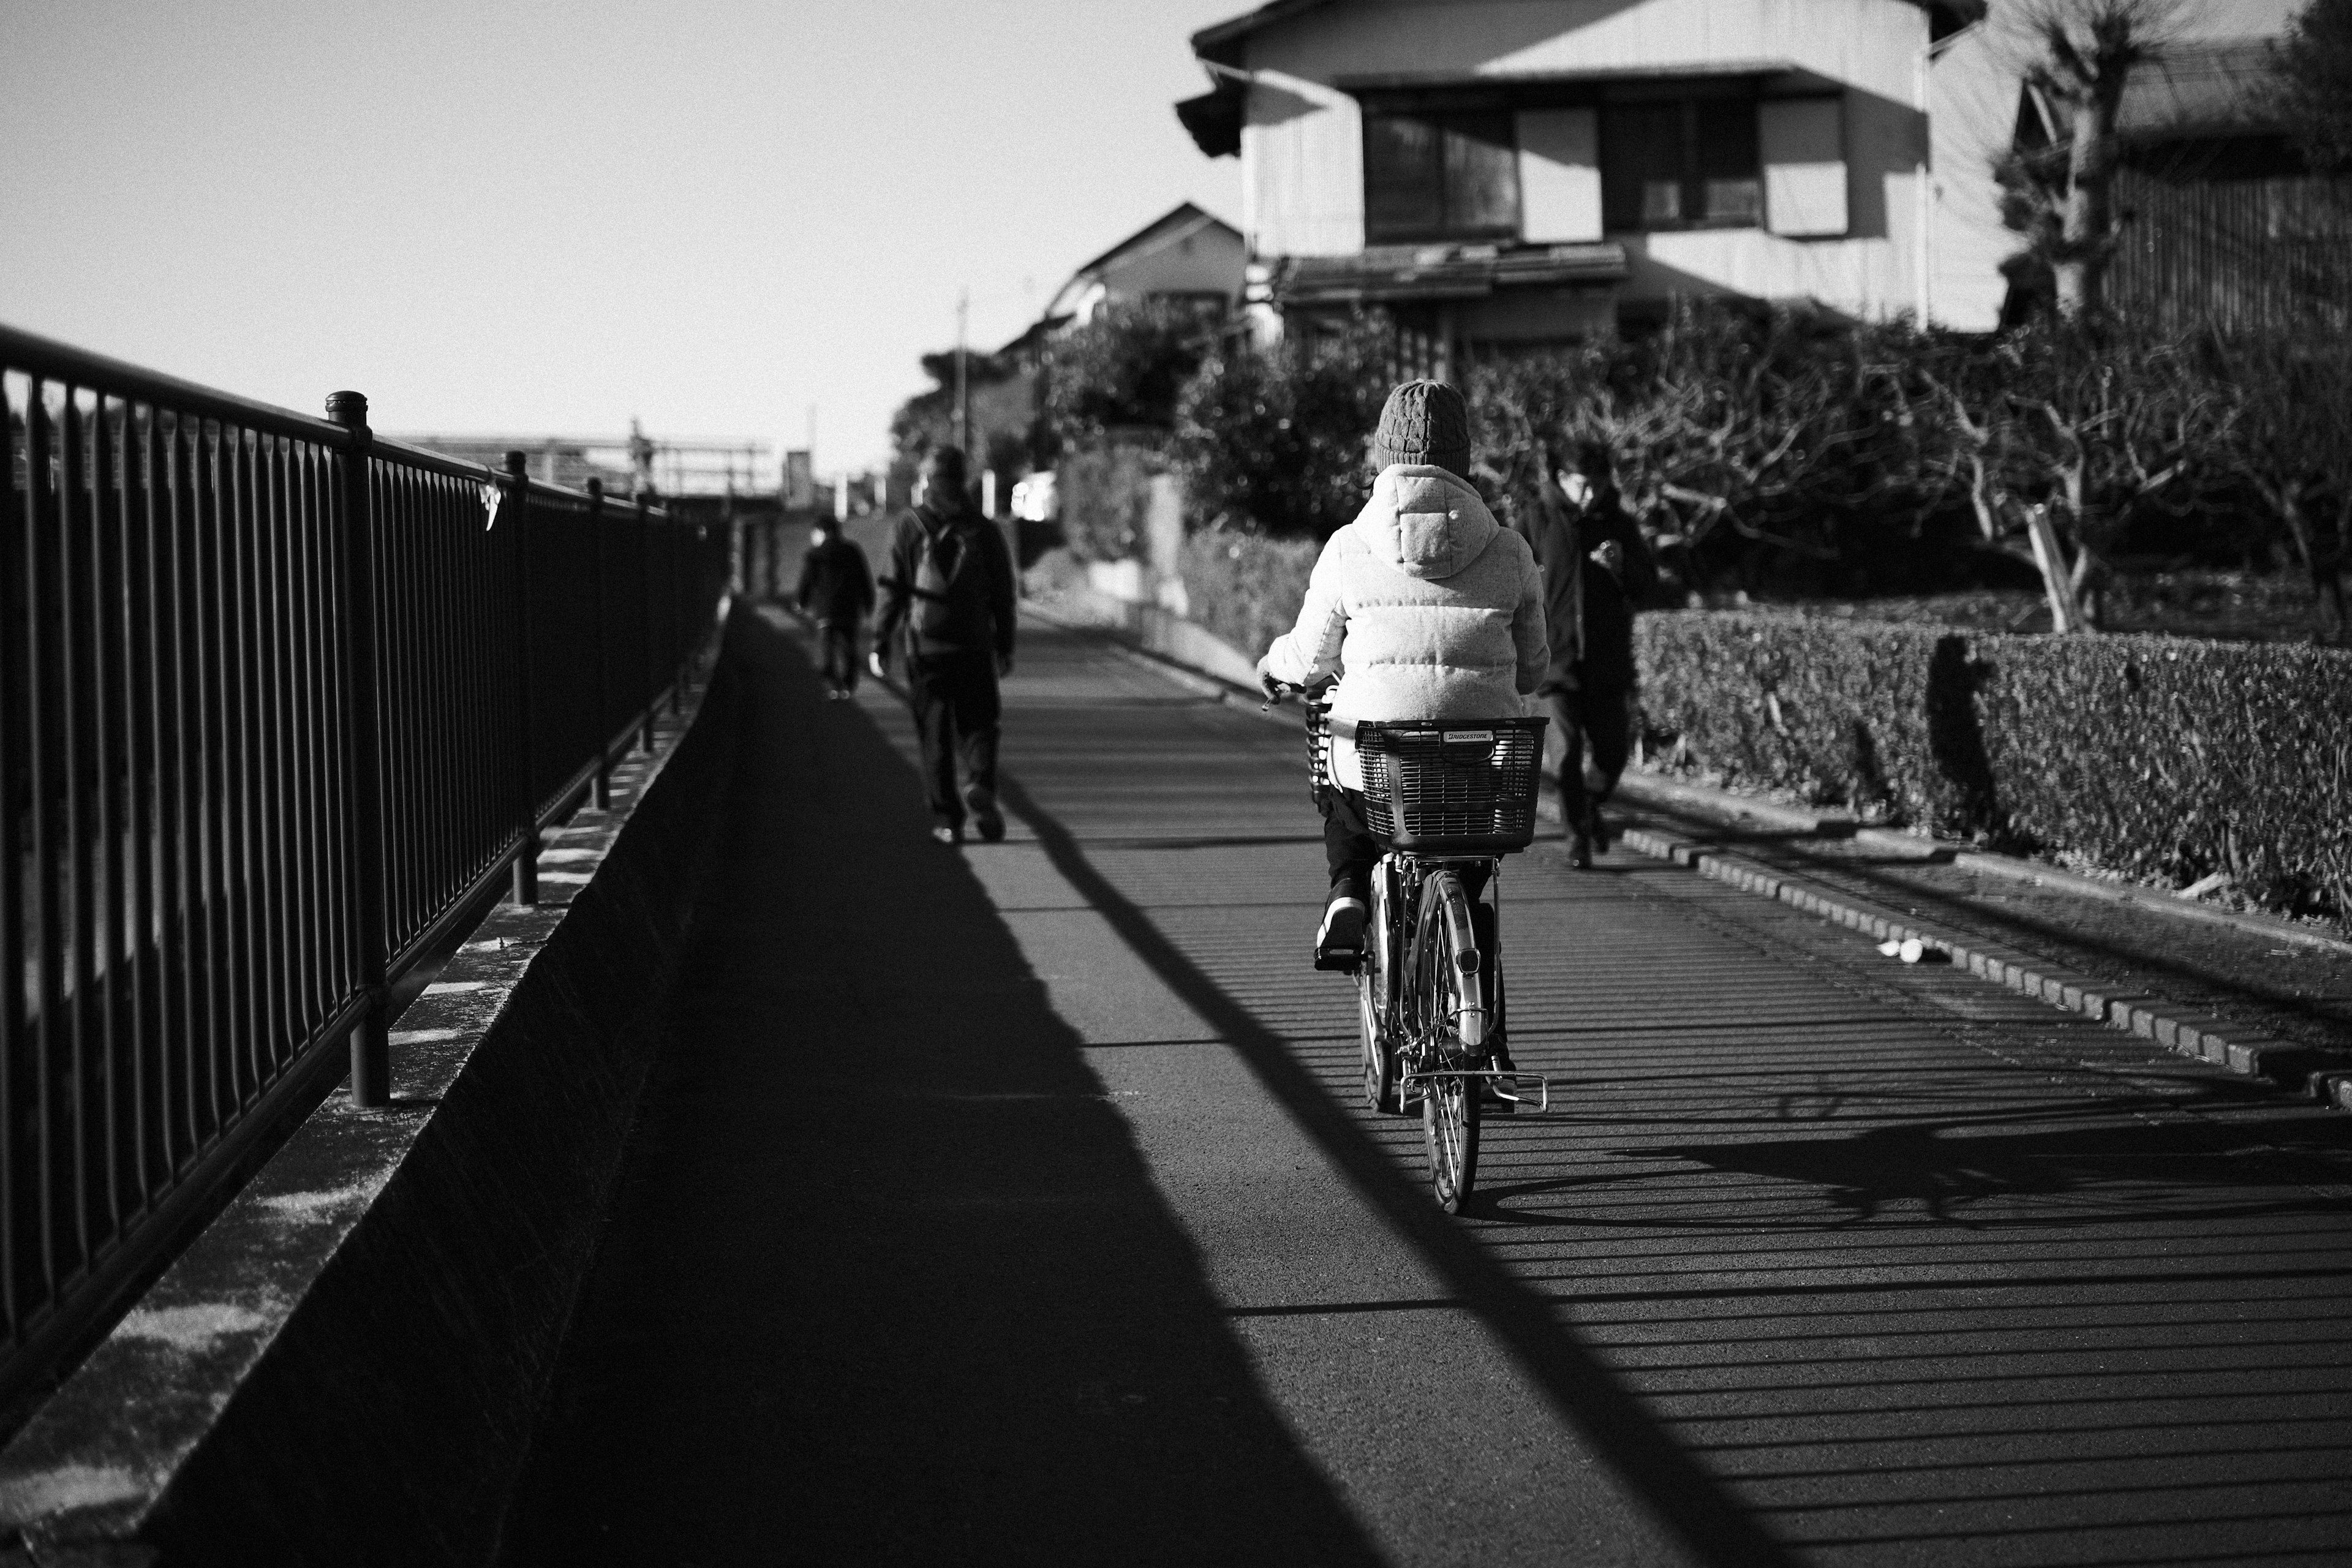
{"type": "Point", "coordinates": [346, 1366]}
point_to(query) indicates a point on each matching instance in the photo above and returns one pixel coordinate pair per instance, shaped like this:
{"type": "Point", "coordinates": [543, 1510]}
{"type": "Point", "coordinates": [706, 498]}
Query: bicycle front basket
{"type": "Point", "coordinates": [1460, 786]}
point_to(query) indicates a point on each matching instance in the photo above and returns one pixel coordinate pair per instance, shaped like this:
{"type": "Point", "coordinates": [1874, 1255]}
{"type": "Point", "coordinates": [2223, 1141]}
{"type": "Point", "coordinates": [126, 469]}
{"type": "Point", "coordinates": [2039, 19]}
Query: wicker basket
{"type": "Point", "coordinates": [1456, 787]}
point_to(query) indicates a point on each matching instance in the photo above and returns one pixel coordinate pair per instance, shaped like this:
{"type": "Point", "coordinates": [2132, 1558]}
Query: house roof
{"type": "Point", "coordinates": [1383, 273]}
{"type": "Point", "coordinates": [1220, 44]}
{"type": "Point", "coordinates": [2227, 87]}
{"type": "Point", "coordinates": [1178, 222]}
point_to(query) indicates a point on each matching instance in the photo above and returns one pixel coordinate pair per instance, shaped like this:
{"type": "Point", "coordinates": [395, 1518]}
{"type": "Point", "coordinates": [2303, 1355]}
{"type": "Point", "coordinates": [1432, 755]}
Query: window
{"type": "Point", "coordinates": [1688, 162]}
{"type": "Point", "coordinates": [1445, 175]}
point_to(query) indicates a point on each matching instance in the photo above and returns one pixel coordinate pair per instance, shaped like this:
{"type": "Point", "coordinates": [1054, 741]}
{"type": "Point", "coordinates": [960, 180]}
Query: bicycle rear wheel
{"type": "Point", "coordinates": [1445, 990]}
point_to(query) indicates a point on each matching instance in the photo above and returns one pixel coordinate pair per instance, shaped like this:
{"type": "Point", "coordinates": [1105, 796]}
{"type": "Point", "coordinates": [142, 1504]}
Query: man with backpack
{"type": "Point", "coordinates": [947, 590]}
{"type": "Point", "coordinates": [836, 591]}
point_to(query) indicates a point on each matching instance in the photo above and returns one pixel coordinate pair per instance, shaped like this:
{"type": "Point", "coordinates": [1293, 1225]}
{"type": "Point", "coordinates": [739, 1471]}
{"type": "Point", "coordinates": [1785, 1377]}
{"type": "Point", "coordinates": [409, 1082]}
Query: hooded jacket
{"type": "Point", "coordinates": [1425, 607]}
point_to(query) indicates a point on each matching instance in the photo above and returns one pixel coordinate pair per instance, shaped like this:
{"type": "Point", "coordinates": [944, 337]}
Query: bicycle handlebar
{"type": "Point", "coordinates": [1283, 691]}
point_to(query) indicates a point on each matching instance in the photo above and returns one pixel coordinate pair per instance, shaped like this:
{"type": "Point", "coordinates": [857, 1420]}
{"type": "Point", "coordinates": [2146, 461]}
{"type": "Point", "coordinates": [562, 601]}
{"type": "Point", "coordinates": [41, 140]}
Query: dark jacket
{"type": "Point", "coordinates": [973, 613]}
{"type": "Point", "coordinates": [834, 582]}
{"type": "Point", "coordinates": [1589, 610]}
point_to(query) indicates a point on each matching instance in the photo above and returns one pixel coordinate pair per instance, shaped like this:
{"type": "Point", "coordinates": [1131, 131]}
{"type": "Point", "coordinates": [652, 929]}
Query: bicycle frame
{"type": "Point", "coordinates": [1400, 886]}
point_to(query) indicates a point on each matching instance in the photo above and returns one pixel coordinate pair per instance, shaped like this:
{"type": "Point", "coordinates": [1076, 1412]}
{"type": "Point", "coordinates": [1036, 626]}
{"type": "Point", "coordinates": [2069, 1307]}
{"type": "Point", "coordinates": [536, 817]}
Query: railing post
{"type": "Point", "coordinates": [646, 665]}
{"type": "Point", "coordinates": [526, 865]}
{"type": "Point", "coordinates": [363, 756]}
{"type": "Point", "coordinates": [602, 799]}
{"type": "Point", "coordinates": [678, 658]}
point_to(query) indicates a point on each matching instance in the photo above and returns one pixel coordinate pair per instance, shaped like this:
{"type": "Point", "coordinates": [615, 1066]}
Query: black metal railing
{"type": "Point", "coordinates": [281, 706]}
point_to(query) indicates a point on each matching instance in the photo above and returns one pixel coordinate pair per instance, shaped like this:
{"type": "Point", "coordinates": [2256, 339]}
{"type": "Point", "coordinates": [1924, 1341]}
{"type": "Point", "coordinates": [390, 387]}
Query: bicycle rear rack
{"type": "Point", "coordinates": [1518, 1081]}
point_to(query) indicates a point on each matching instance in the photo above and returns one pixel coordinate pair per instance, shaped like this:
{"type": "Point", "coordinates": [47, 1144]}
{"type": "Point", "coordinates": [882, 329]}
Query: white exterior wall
{"type": "Point", "coordinates": [1302, 146]}
{"type": "Point", "coordinates": [1972, 110]}
{"type": "Point", "coordinates": [1303, 168]}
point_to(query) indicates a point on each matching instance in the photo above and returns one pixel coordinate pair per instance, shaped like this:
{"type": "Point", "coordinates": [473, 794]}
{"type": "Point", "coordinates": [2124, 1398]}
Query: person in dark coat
{"type": "Point", "coordinates": [946, 606]}
{"type": "Point", "coordinates": [836, 592]}
{"type": "Point", "coordinates": [1596, 568]}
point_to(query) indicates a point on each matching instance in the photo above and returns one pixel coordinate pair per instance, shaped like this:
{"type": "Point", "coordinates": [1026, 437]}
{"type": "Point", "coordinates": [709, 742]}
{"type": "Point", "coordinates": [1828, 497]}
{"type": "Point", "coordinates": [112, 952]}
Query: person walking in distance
{"type": "Point", "coordinates": [947, 594]}
{"type": "Point", "coordinates": [1596, 568]}
{"type": "Point", "coordinates": [836, 592]}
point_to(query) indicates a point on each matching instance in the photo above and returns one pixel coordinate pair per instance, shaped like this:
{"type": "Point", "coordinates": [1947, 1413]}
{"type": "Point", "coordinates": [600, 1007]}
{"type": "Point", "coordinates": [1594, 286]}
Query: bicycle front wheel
{"type": "Point", "coordinates": [1375, 982]}
{"type": "Point", "coordinates": [1445, 975]}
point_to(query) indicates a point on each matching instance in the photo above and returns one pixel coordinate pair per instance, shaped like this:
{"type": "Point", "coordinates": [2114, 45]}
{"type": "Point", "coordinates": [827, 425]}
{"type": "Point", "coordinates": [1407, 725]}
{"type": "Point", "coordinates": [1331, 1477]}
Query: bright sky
{"type": "Point", "coordinates": [523, 217]}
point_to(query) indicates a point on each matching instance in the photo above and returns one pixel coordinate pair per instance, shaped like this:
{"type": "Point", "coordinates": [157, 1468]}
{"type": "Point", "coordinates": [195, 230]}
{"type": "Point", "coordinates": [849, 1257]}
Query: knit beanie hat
{"type": "Point", "coordinates": [1424, 422]}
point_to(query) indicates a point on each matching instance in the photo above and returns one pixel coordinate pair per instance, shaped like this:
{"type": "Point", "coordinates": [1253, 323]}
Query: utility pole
{"type": "Point", "coordinates": [963, 383]}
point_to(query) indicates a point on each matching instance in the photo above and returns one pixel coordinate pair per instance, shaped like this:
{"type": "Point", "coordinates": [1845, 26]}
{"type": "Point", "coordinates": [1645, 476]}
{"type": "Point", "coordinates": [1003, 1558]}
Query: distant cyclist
{"type": "Point", "coordinates": [1422, 607]}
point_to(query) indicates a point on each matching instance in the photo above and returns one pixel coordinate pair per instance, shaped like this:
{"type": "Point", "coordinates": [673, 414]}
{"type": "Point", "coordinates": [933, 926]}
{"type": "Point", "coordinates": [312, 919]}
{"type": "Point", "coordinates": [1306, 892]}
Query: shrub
{"type": "Point", "coordinates": [2157, 757]}
{"type": "Point", "coordinates": [1275, 443]}
{"type": "Point", "coordinates": [1106, 496]}
{"type": "Point", "coordinates": [1244, 588]}
{"type": "Point", "coordinates": [1123, 369]}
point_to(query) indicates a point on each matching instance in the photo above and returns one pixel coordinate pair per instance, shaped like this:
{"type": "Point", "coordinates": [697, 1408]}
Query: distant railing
{"type": "Point", "coordinates": [281, 706]}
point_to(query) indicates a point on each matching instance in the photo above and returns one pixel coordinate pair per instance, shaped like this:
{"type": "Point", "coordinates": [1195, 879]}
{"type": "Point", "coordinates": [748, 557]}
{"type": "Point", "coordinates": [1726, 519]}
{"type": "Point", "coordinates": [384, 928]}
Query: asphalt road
{"type": "Point", "coordinates": [1015, 1203]}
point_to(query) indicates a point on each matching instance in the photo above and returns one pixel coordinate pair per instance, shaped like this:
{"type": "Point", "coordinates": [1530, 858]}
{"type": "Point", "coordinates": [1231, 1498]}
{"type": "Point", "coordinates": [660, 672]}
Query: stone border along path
{"type": "Point", "coordinates": [2239, 1047]}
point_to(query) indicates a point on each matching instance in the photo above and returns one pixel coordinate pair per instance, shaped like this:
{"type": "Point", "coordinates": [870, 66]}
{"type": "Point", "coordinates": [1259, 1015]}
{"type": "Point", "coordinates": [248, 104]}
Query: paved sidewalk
{"type": "Point", "coordinates": [1017, 1205]}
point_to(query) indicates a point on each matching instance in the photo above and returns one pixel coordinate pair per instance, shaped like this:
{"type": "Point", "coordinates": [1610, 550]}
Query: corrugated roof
{"type": "Point", "coordinates": [1395, 272]}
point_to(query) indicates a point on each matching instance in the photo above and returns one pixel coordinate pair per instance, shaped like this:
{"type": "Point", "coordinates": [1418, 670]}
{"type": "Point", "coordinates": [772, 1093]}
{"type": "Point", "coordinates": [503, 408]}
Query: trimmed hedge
{"type": "Point", "coordinates": [1245, 587]}
{"type": "Point", "coordinates": [2154, 756]}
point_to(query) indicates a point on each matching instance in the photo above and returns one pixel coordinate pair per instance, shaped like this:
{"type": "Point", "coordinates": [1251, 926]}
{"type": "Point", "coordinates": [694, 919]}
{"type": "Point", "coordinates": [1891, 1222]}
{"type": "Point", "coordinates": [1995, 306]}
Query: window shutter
{"type": "Point", "coordinates": [1560, 175]}
{"type": "Point", "coordinates": [1802, 141]}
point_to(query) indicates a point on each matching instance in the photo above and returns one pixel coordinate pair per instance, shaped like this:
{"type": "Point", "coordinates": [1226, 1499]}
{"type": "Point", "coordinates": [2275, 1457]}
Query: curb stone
{"type": "Point", "coordinates": [2247, 1052]}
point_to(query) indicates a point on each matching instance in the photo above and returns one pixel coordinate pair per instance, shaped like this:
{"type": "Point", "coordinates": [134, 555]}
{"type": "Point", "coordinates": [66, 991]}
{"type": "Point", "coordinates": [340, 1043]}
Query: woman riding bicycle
{"type": "Point", "coordinates": [1425, 607]}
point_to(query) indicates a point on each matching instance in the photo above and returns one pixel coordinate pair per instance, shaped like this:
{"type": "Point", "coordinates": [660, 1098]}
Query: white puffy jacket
{"type": "Point", "coordinates": [1424, 606]}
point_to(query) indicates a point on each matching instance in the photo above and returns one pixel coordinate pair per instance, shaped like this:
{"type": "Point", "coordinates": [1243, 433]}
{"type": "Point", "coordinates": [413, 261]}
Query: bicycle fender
{"type": "Point", "coordinates": [1456, 903]}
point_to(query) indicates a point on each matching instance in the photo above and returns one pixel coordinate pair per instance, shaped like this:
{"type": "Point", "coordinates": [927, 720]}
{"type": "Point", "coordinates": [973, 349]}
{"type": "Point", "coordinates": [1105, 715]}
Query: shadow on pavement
{"type": "Point", "coordinates": [1576, 1382]}
{"type": "Point", "coordinates": [886, 1279]}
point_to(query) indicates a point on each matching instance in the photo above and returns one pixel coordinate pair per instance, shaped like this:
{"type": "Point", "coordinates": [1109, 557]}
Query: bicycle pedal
{"type": "Point", "coordinates": [1340, 961]}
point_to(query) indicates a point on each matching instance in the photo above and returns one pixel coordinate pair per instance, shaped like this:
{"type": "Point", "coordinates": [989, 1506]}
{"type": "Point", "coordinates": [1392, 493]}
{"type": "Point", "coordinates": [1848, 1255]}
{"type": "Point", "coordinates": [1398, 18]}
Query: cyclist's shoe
{"type": "Point", "coordinates": [986, 820]}
{"type": "Point", "coordinates": [1339, 944]}
{"type": "Point", "coordinates": [1599, 831]}
{"type": "Point", "coordinates": [1579, 850]}
{"type": "Point", "coordinates": [947, 833]}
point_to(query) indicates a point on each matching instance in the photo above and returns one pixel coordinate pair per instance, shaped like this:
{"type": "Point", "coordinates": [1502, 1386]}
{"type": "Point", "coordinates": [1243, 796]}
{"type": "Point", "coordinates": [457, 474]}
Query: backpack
{"type": "Point", "coordinates": [950, 587]}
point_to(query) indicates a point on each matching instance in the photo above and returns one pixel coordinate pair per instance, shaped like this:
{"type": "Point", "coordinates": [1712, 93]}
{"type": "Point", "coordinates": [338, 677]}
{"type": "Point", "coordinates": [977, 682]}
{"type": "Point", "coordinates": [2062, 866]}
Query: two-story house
{"type": "Point", "coordinates": [1501, 172]}
{"type": "Point", "coordinates": [1518, 170]}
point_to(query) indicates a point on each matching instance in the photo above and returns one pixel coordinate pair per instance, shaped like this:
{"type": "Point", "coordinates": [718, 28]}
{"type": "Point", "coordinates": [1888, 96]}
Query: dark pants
{"type": "Point", "coordinates": [1351, 851]}
{"type": "Point", "coordinates": [1602, 719]}
{"type": "Point", "coordinates": [954, 698]}
{"type": "Point", "coordinates": [837, 650]}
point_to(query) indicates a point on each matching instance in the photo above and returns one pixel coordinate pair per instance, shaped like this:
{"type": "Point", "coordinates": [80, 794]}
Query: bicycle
{"type": "Point", "coordinates": [1450, 798]}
